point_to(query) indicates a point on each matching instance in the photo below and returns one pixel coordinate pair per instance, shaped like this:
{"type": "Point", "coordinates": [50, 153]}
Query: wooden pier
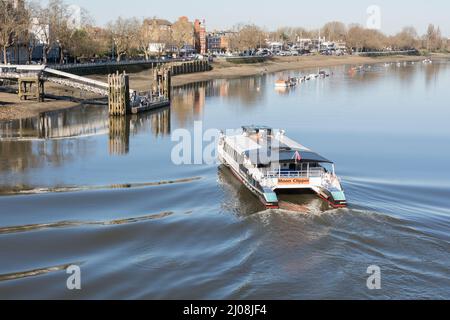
{"type": "Point", "coordinates": [121, 99]}
{"type": "Point", "coordinates": [119, 94]}
{"type": "Point", "coordinates": [189, 67]}
{"type": "Point", "coordinates": [31, 88]}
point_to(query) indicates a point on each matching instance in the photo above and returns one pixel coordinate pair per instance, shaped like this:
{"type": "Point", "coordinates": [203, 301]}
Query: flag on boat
{"type": "Point", "coordinates": [297, 156]}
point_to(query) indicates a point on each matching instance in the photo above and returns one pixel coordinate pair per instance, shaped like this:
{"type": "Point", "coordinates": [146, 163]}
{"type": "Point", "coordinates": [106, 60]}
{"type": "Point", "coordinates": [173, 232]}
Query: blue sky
{"type": "Point", "coordinates": [272, 14]}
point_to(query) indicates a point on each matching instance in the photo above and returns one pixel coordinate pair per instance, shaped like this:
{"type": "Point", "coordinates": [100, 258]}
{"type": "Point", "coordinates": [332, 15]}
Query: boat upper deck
{"type": "Point", "coordinates": [255, 140]}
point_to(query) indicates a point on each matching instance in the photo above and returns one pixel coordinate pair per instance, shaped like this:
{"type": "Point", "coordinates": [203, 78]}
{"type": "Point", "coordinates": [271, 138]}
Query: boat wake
{"type": "Point", "coordinates": [35, 273]}
{"type": "Point", "coordinates": [71, 224]}
{"type": "Point", "coordinates": [64, 189]}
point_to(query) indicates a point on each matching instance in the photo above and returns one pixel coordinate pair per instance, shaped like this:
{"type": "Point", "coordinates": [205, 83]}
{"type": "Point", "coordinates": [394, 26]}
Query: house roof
{"type": "Point", "coordinates": [159, 22]}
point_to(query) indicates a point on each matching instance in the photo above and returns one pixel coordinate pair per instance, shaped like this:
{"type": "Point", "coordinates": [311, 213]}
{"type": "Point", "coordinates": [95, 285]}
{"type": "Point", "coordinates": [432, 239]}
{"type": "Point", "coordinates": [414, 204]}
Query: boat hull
{"type": "Point", "coordinates": [321, 193]}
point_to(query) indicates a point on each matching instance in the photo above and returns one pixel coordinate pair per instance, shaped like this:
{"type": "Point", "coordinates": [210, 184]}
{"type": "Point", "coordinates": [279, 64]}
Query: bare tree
{"type": "Point", "coordinates": [362, 39]}
{"type": "Point", "coordinates": [247, 37]}
{"type": "Point", "coordinates": [433, 38]}
{"type": "Point", "coordinates": [123, 33]}
{"type": "Point", "coordinates": [182, 33]}
{"type": "Point", "coordinates": [355, 38]}
{"type": "Point", "coordinates": [50, 23]}
{"type": "Point", "coordinates": [14, 22]}
{"type": "Point", "coordinates": [89, 42]}
{"type": "Point", "coordinates": [405, 40]}
{"type": "Point", "coordinates": [334, 31]}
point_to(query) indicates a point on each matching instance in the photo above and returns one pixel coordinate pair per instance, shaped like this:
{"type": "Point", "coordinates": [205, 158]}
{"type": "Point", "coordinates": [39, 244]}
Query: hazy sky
{"type": "Point", "coordinates": [272, 13]}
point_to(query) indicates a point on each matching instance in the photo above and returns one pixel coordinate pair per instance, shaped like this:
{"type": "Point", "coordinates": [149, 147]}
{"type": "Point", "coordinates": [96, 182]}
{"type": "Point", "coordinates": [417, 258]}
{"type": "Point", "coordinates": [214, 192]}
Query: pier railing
{"type": "Point", "coordinates": [71, 66]}
{"type": "Point", "coordinates": [312, 173]}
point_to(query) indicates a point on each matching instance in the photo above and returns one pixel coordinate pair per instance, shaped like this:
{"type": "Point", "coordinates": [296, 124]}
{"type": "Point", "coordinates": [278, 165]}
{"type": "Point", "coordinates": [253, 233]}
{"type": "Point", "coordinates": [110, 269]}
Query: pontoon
{"type": "Point", "coordinates": [270, 164]}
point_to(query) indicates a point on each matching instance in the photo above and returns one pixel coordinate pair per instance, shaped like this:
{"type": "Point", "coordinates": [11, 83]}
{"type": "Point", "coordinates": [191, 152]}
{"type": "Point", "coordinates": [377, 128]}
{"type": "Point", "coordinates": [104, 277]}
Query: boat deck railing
{"type": "Point", "coordinates": [311, 173]}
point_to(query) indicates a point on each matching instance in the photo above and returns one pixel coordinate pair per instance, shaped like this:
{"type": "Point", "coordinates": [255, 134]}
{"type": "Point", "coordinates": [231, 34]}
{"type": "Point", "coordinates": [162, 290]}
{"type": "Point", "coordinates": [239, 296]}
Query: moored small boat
{"type": "Point", "coordinates": [290, 82]}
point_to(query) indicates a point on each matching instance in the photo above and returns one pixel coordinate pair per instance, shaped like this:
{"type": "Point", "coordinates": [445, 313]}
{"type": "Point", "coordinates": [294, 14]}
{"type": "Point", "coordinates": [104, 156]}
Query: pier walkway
{"type": "Point", "coordinates": [122, 99]}
{"type": "Point", "coordinates": [44, 73]}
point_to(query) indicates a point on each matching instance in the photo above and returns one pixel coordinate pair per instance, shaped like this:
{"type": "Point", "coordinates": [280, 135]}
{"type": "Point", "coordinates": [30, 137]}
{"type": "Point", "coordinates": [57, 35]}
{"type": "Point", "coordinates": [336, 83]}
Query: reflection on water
{"type": "Point", "coordinates": [120, 128]}
{"type": "Point", "coordinates": [188, 101]}
{"type": "Point", "coordinates": [34, 142]}
{"type": "Point", "coordinates": [84, 121]}
{"type": "Point", "coordinates": [78, 121]}
{"type": "Point", "coordinates": [19, 156]}
{"type": "Point", "coordinates": [69, 199]}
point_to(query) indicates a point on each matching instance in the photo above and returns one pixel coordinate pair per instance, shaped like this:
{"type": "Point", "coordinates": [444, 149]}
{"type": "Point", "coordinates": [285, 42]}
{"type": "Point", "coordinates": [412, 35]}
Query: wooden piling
{"type": "Point", "coordinates": [32, 87]}
{"type": "Point", "coordinates": [119, 94]}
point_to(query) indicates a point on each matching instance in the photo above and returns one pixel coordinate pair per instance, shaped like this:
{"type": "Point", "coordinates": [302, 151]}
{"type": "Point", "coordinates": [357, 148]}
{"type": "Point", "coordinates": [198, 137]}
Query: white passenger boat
{"type": "Point", "coordinates": [270, 164]}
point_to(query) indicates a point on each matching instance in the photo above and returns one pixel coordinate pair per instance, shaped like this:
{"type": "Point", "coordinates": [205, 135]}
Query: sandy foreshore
{"type": "Point", "coordinates": [12, 108]}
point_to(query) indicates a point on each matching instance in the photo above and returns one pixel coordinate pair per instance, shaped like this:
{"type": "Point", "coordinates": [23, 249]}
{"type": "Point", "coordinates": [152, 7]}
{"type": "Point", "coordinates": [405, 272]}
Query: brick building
{"type": "Point", "coordinates": [200, 36]}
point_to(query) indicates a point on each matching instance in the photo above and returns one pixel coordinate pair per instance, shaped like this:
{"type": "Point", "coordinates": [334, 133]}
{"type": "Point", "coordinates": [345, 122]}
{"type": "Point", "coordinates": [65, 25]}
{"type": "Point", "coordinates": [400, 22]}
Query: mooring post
{"type": "Point", "coordinates": [119, 94]}
{"type": "Point", "coordinates": [31, 87]}
{"type": "Point", "coordinates": [41, 91]}
{"type": "Point", "coordinates": [167, 84]}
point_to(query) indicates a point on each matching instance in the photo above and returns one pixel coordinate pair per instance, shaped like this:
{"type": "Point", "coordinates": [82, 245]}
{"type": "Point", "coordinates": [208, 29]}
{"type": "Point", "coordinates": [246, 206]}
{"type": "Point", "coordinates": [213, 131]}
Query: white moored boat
{"type": "Point", "coordinates": [270, 164]}
{"type": "Point", "coordinates": [290, 82]}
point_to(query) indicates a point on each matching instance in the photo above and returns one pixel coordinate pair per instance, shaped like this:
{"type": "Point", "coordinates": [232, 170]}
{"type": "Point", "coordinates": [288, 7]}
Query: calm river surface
{"type": "Point", "coordinates": [79, 188]}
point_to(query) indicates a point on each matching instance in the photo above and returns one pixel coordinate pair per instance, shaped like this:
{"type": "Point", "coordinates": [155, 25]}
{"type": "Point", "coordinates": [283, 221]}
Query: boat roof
{"type": "Point", "coordinates": [251, 143]}
{"type": "Point", "coordinates": [264, 156]}
{"type": "Point", "coordinates": [254, 128]}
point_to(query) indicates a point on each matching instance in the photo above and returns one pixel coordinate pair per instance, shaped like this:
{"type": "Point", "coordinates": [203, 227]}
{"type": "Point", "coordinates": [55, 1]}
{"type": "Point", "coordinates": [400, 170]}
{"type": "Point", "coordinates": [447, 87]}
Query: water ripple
{"type": "Point", "coordinates": [23, 191]}
{"type": "Point", "coordinates": [70, 224]}
{"type": "Point", "coordinates": [34, 273]}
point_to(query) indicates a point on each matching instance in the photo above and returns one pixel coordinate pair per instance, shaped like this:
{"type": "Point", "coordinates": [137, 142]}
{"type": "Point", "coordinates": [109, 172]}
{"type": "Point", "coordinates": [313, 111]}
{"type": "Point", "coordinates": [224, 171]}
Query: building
{"type": "Point", "coordinates": [213, 43]}
{"type": "Point", "coordinates": [159, 31]}
{"type": "Point", "coordinates": [200, 36]}
{"type": "Point", "coordinates": [218, 42]}
{"type": "Point", "coordinates": [158, 27]}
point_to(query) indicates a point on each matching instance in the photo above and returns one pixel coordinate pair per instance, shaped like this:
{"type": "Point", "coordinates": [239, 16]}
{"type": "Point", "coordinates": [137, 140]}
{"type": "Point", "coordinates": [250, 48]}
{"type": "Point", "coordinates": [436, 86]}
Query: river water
{"type": "Point", "coordinates": [78, 188]}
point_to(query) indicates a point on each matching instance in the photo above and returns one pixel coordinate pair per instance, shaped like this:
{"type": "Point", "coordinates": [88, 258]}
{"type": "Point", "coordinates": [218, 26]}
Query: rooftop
{"type": "Point", "coordinates": [265, 140]}
{"type": "Point", "coordinates": [159, 22]}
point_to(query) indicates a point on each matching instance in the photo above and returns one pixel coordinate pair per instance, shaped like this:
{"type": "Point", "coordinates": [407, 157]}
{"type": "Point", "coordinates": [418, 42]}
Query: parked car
{"type": "Point", "coordinates": [284, 53]}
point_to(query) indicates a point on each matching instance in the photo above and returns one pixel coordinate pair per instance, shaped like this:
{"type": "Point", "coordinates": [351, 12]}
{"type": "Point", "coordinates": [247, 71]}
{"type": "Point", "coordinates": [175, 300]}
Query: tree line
{"type": "Point", "coordinates": [356, 37]}
{"type": "Point", "coordinates": [52, 26]}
